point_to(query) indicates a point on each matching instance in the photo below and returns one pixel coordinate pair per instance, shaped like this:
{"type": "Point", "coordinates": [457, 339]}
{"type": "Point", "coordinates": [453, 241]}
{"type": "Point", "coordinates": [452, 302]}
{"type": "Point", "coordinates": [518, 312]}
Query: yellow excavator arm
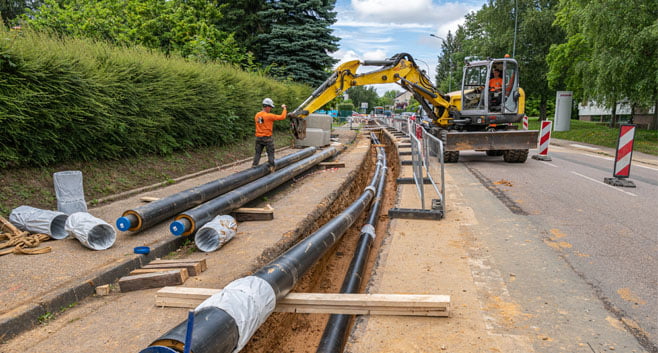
{"type": "Point", "coordinates": [400, 69]}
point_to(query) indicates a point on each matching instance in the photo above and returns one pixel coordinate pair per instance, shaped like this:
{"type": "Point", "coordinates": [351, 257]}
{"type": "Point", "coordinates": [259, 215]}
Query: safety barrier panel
{"type": "Point", "coordinates": [623, 157]}
{"type": "Point", "coordinates": [428, 169]}
{"type": "Point", "coordinates": [544, 140]}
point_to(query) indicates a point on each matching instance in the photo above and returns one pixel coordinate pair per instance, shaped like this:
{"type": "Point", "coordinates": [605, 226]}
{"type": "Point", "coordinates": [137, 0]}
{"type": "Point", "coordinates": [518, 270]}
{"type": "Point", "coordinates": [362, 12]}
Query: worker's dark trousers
{"type": "Point", "coordinates": [268, 143]}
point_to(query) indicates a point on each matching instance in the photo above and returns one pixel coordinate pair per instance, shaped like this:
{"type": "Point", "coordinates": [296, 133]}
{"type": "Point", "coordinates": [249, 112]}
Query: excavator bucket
{"type": "Point", "coordinates": [298, 127]}
{"type": "Point", "coordinates": [498, 140]}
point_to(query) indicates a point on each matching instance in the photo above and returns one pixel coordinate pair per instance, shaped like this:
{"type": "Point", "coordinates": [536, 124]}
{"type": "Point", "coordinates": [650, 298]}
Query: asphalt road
{"type": "Point", "coordinates": [607, 235]}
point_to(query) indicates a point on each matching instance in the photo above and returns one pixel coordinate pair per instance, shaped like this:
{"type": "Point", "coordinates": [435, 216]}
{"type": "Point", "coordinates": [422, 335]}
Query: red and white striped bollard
{"type": "Point", "coordinates": [623, 157]}
{"type": "Point", "coordinates": [525, 122]}
{"type": "Point", "coordinates": [544, 140]}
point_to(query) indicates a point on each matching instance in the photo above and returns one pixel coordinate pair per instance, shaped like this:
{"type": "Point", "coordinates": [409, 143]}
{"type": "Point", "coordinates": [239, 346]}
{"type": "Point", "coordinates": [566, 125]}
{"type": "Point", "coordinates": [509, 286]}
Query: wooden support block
{"type": "Point", "coordinates": [325, 303]}
{"type": "Point", "coordinates": [151, 280]}
{"type": "Point", "coordinates": [204, 266]}
{"type": "Point", "coordinates": [193, 268]}
{"type": "Point", "coordinates": [140, 271]}
{"type": "Point", "coordinates": [253, 214]}
{"type": "Point", "coordinates": [103, 290]}
{"type": "Point", "coordinates": [148, 199]}
{"type": "Point", "coordinates": [328, 165]}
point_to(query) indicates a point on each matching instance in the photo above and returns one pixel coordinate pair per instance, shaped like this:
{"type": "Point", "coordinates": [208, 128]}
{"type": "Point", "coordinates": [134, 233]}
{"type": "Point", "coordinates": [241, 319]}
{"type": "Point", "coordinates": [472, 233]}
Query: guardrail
{"type": "Point", "coordinates": [427, 163]}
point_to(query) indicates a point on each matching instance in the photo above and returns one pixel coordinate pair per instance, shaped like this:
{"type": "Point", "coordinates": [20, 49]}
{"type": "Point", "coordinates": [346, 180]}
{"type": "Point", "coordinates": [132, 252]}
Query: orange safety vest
{"type": "Point", "coordinates": [265, 121]}
{"type": "Point", "coordinates": [495, 84]}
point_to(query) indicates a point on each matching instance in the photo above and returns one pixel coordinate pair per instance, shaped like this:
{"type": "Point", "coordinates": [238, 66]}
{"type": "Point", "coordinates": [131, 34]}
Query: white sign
{"type": "Point", "coordinates": [364, 105]}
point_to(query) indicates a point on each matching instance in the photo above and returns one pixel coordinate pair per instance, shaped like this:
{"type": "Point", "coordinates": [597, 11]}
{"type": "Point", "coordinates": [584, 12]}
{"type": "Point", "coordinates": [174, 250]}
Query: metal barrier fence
{"type": "Point", "coordinates": [427, 162]}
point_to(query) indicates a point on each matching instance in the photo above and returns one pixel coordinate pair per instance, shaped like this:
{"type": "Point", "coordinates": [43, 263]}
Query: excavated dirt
{"type": "Point", "coordinates": [297, 333]}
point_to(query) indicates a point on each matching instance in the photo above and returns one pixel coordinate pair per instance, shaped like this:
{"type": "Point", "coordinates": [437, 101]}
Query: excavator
{"type": "Point", "coordinates": [481, 116]}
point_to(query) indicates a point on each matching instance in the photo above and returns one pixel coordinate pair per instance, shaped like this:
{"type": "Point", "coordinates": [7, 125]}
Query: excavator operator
{"type": "Point", "coordinates": [495, 87]}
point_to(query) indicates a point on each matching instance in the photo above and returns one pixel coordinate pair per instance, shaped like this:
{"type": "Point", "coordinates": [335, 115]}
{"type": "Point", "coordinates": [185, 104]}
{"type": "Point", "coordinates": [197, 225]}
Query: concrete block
{"type": "Point", "coordinates": [319, 121]}
{"type": "Point", "coordinates": [314, 137]}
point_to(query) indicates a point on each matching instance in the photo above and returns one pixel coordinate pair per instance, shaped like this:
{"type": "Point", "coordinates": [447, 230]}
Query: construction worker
{"type": "Point", "coordinates": [496, 82]}
{"type": "Point", "coordinates": [264, 121]}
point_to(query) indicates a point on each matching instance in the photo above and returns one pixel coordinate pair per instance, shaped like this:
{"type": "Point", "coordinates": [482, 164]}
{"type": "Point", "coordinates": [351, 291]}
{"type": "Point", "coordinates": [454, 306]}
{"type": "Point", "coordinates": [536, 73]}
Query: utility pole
{"type": "Point", "coordinates": [516, 21]}
{"type": "Point", "coordinates": [449, 62]}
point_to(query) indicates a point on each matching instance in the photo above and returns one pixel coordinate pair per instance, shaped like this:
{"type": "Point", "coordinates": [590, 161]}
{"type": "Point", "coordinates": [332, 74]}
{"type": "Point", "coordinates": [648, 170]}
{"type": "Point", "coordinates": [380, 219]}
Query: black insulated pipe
{"type": "Point", "coordinates": [189, 221]}
{"type": "Point", "coordinates": [334, 335]}
{"type": "Point", "coordinates": [146, 216]}
{"type": "Point", "coordinates": [216, 335]}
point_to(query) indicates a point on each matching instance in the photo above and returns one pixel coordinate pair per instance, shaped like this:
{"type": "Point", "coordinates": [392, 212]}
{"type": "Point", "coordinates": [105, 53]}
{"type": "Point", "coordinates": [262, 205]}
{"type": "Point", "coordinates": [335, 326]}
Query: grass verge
{"type": "Point", "coordinates": [595, 133]}
{"type": "Point", "coordinates": [34, 186]}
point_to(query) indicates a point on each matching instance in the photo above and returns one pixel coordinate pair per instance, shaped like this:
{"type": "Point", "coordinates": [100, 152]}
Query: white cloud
{"type": "Point", "coordinates": [409, 13]}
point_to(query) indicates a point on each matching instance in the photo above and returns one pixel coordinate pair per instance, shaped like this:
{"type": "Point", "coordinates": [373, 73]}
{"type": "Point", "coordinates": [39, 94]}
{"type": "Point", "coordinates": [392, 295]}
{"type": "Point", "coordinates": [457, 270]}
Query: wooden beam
{"type": "Point", "coordinates": [204, 266]}
{"type": "Point", "coordinates": [151, 280]}
{"type": "Point", "coordinates": [148, 199]}
{"type": "Point", "coordinates": [193, 268]}
{"type": "Point", "coordinates": [253, 214]}
{"type": "Point", "coordinates": [140, 271]}
{"type": "Point", "coordinates": [325, 303]}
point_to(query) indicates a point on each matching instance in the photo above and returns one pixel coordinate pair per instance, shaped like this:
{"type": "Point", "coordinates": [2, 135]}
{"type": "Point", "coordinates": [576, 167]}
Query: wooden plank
{"type": "Point", "coordinates": [253, 214]}
{"type": "Point", "coordinates": [377, 145]}
{"type": "Point", "coordinates": [193, 268]}
{"type": "Point", "coordinates": [325, 303]}
{"type": "Point", "coordinates": [150, 280]}
{"type": "Point", "coordinates": [204, 266]}
{"type": "Point", "coordinates": [148, 199]}
{"type": "Point", "coordinates": [140, 271]}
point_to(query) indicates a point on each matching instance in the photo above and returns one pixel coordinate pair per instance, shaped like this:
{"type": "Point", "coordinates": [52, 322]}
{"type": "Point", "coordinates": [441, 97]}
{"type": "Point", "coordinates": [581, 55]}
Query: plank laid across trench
{"type": "Point", "coordinates": [324, 303]}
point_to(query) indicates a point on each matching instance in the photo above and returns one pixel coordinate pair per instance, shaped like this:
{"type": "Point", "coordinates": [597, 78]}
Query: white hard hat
{"type": "Point", "coordinates": [268, 102]}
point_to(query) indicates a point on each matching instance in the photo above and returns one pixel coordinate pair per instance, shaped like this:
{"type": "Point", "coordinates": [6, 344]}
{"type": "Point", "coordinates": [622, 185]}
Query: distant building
{"type": "Point", "coordinates": [401, 101]}
{"type": "Point", "coordinates": [595, 112]}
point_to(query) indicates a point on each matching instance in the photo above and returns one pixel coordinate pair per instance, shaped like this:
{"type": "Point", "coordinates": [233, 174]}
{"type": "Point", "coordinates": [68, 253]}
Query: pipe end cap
{"type": "Point", "coordinates": [177, 228]}
{"type": "Point", "coordinates": [123, 224]}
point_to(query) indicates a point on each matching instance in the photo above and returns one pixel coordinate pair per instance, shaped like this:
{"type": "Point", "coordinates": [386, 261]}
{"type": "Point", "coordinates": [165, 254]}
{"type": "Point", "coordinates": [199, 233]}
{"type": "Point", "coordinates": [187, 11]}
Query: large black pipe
{"type": "Point", "coordinates": [281, 274]}
{"type": "Point", "coordinates": [189, 221]}
{"type": "Point", "coordinates": [333, 337]}
{"type": "Point", "coordinates": [146, 216]}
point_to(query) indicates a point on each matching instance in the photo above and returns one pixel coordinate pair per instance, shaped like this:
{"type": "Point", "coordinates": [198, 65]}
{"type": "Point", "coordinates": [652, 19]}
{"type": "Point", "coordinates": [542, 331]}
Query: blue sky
{"type": "Point", "coordinates": [377, 29]}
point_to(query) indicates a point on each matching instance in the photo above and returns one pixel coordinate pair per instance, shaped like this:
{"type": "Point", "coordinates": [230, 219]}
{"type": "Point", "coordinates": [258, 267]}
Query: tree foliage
{"type": "Point", "coordinates": [186, 27]}
{"type": "Point", "coordinates": [360, 94]}
{"type": "Point", "coordinates": [298, 39]}
{"type": "Point", "coordinates": [611, 51]}
{"type": "Point", "coordinates": [12, 9]}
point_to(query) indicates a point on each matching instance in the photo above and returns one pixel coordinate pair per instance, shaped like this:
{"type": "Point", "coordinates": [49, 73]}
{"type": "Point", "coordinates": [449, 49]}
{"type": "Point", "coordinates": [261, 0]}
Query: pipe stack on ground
{"type": "Point", "coordinates": [188, 222]}
{"type": "Point", "coordinates": [146, 216]}
{"type": "Point", "coordinates": [226, 321]}
{"type": "Point", "coordinates": [335, 331]}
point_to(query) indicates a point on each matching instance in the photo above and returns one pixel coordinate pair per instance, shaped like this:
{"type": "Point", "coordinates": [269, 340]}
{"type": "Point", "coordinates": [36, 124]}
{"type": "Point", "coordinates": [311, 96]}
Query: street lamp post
{"type": "Point", "coordinates": [449, 63]}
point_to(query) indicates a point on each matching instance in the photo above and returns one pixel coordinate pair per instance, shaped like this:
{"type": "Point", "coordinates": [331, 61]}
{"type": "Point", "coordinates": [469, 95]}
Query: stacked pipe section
{"type": "Point", "coordinates": [146, 216]}
{"type": "Point", "coordinates": [335, 331]}
{"type": "Point", "coordinates": [226, 321]}
{"type": "Point", "coordinates": [191, 220]}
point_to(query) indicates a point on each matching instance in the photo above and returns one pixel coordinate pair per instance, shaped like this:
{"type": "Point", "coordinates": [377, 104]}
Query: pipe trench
{"type": "Point", "coordinates": [226, 321]}
{"type": "Point", "coordinates": [333, 337]}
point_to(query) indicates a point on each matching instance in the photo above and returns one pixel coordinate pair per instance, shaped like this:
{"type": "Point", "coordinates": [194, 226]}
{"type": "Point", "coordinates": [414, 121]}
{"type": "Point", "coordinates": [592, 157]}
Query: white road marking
{"type": "Point", "coordinates": [604, 184]}
{"type": "Point", "coordinates": [586, 147]}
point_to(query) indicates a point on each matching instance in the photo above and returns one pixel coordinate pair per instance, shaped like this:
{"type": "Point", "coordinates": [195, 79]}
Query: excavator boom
{"type": "Point", "coordinates": [400, 69]}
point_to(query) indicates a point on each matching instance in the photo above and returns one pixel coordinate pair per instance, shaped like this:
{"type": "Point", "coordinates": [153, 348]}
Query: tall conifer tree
{"type": "Point", "coordinates": [297, 39]}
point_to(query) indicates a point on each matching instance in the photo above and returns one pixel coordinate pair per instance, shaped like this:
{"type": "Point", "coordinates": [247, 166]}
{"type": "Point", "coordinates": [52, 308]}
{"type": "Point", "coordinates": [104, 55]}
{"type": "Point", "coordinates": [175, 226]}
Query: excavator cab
{"type": "Point", "coordinates": [490, 90]}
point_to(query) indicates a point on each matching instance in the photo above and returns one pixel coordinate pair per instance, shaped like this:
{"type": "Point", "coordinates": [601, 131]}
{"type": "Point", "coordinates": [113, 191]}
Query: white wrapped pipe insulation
{"type": "Point", "coordinates": [36, 220]}
{"type": "Point", "coordinates": [214, 234]}
{"type": "Point", "coordinates": [92, 232]}
{"type": "Point", "coordinates": [249, 301]}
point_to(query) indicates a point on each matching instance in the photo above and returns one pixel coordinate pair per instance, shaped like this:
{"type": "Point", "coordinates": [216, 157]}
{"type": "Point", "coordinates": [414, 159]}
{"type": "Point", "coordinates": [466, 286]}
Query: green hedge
{"type": "Point", "coordinates": [73, 99]}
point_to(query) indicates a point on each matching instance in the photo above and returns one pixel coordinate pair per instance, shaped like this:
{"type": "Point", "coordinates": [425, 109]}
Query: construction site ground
{"type": "Point", "coordinates": [510, 291]}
